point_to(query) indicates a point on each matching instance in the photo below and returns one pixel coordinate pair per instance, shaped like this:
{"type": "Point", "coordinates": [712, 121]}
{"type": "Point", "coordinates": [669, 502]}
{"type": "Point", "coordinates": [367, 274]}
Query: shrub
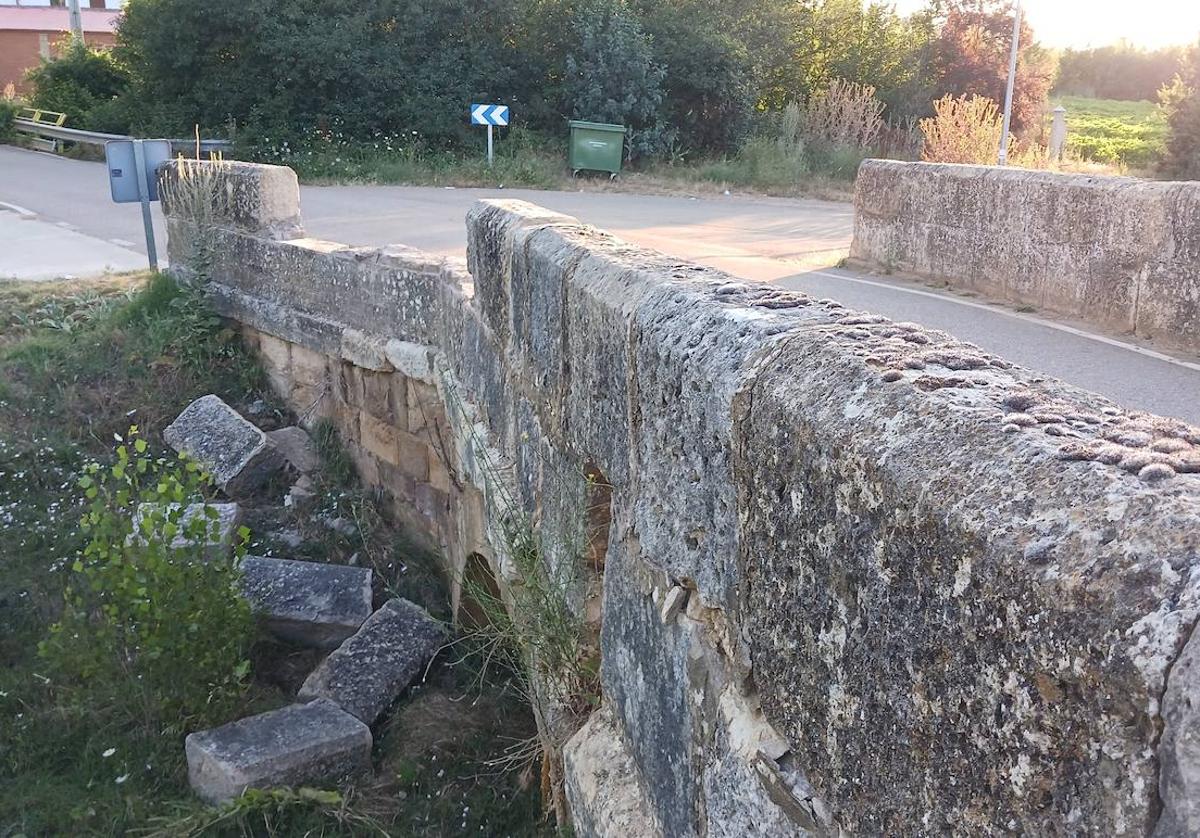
{"type": "Point", "coordinates": [844, 114]}
{"type": "Point", "coordinates": [612, 76]}
{"type": "Point", "coordinates": [153, 629]}
{"type": "Point", "coordinates": [966, 129]}
{"type": "Point", "coordinates": [77, 83]}
{"type": "Point", "coordinates": [1181, 100]}
{"type": "Point", "coordinates": [707, 87]}
{"type": "Point", "coordinates": [8, 112]}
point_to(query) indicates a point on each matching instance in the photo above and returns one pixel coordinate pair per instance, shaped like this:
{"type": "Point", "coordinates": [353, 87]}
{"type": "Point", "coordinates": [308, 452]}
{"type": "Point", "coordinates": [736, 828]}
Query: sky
{"type": "Point", "coordinates": [1081, 23]}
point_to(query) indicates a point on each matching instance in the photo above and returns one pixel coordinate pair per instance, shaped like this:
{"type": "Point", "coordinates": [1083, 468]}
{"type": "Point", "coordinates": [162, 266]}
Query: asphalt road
{"type": "Point", "coordinates": [770, 240]}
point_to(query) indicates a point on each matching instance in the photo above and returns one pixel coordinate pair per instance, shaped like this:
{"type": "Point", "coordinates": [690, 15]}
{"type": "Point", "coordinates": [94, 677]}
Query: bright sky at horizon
{"type": "Point", "coordinates": [1096, 23]}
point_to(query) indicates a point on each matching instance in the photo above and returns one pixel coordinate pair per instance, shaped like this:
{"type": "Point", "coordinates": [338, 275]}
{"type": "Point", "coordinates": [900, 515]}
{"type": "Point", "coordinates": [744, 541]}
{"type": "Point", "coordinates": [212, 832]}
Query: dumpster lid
{"type": "Point", "coordinates": [596, 126]}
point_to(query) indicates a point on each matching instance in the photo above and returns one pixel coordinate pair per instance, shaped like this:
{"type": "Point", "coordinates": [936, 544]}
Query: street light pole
{"type": "Point", "coordinates": [76, 19]}
{"type": "Point", "coordinates": [1012, 77]}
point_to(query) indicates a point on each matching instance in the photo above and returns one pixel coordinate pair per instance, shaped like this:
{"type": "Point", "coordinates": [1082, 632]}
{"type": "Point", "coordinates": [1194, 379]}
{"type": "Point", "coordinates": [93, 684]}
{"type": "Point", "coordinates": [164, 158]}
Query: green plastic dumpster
{"type": "Point", "coordinates": [597, 146]}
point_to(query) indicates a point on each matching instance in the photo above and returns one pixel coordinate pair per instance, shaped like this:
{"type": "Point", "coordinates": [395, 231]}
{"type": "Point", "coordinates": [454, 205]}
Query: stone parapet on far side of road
{"type": "Point", "coordinates": [1120, 253]}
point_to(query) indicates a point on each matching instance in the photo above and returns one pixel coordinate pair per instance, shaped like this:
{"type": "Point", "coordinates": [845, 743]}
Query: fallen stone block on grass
{"type": "Point", "coordinates": [221, 531]}
{"type": "Point", "coordinates": [367, 672]}
{"type": "Point", "coordinates": [296, 447]}
{"type": "Point", "coordinates": [309, 603]}
{"type": "Point", "coordinates": [237, 454]}
{"type": "Point", "coordinates": [299, 744]}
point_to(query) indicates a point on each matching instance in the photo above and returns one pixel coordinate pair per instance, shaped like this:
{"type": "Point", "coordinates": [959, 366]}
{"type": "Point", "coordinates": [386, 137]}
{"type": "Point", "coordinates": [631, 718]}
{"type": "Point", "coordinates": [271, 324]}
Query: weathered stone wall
{"type": "Point", "coordinates": [858, 577]}
{"type": "Point", "coordinates": [1119, 252]}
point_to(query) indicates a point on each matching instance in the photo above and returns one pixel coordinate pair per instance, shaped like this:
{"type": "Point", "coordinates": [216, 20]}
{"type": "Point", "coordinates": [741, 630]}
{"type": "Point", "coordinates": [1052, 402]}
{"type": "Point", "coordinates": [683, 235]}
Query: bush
{"type": "Point", "coordinates": [8, 112]}
{"type": "Point", "coordinates": [77, 83]}
{"type": "Point", "coordinates": [707, 98]}
{"type": "Point", "coordinates": [840, 125]}
{"type": "Point", "coordinates": [612, 76]}
{"type": "Point", "coordinates": [153, 628]}
{"type": "Point", "coordinates": [388, 65]}
{"type": "Point", "coordinates": [966, 129]}
{"type": "Point", "coordinates": [1181, 100]}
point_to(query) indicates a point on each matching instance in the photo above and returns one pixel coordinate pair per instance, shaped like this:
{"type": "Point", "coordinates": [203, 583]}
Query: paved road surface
{"type": "Point", "coordinates": [770, 240]}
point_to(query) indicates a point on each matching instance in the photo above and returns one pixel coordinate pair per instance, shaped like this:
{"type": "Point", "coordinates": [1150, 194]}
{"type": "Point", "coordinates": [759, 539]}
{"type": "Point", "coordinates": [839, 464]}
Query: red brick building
{"type": "Point", "coordinates": [29, 32]}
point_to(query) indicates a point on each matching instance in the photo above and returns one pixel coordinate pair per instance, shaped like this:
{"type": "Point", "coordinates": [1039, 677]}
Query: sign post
{"type": "Point", "coordinates": [133, 176]}
{"type": "Point", "coordinates": [489, 115]}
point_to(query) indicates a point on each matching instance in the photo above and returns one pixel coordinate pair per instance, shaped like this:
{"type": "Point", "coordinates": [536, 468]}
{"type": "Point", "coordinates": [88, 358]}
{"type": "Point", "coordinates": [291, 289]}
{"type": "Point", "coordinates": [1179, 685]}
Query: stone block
{"type": "Point", "coordinates": [222, 531]}
{"type": "Point", "coordinates": [365, 464]}
{"type": "Point", "coordinates": [308, 367]}
{"type": "Point", "coordinates": [439, 475]}
{"type": "Point", "coordinates": [398, 399]}
{"type": "Point", "coordinates": [238, 455]}
{"type": "Point", "coordinates": [302, 744]}
{"type": "Point", "coordinates": [602, 785]}
{"type": "Point", "coordinates": [364, 350]}
{"type": "Point", "coordinates": [414, 456]}
{"type": "Point", "coordinates": [350, 386]}
{"type": "Point", "coordinates": [367, 672]}
{"type": "Point", "coordinates": [1179, 748]}
{"type": "Point", "coordinates": [310, 603]}
{"type": "Point", "coordinates": [260, 199]}
{"type": "Point", "coordinates": [377, 395]}
{"type": "Point", "coordinates": [276, 354]}
{"type": "Point", "coordinates": [297, 448]}
{"type": "Point", "coordinates": [411, 359]}
{"type": "Point", "coordinates": [423, 405]}
{"type": "Point", "coordinates": [379, 438]}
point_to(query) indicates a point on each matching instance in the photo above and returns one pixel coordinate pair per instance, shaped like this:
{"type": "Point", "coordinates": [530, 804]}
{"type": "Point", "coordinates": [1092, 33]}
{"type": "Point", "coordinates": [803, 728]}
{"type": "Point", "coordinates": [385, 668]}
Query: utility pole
{"type": "Point", "coordinates": [1012, 77]}
{"type": "Point", "coordinates": [76, 19]}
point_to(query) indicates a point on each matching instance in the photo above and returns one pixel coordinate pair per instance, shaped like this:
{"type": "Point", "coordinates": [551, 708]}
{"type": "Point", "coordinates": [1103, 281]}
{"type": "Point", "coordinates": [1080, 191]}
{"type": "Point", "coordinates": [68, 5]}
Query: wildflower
{"type": "Point", "coordinates": [122, 779]}
{"type": "Point", "coordinates": [109, 753]}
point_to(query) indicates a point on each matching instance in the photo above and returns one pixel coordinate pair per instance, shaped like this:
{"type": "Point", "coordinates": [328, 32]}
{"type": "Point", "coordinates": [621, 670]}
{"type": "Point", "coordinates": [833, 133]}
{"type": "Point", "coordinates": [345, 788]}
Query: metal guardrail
{"type": "Point", "coordinates": [74, 135]}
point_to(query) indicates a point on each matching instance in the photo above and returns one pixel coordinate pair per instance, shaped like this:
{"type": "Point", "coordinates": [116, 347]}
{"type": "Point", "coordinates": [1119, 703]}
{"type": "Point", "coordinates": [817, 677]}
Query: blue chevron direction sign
{"type": "Point", "coordinates": [489, 115]}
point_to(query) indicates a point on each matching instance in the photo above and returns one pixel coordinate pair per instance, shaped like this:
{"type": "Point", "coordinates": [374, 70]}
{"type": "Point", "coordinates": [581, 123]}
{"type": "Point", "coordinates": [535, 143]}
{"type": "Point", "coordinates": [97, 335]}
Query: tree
{"type": "Point", "coordinates": [357, 68]}
{"type": "Point", "coordinates": [1181, 99]}
{"type": "Point", "coordinates": [612, 76]}
{"type": "Point", "coordinates": [707, 90]}
{"type": "Point", "coordinates": [1120, 71]}
{"type": "Point", "coordinates": [78, 83]}
{"type": "Point", "coordinates": [872, 45]}
{"type": "Point", "coordinates": [973, 49]}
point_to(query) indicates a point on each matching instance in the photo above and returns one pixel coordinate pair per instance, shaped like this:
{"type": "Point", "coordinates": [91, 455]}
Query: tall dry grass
{"type": "Point", "coordinates": [967, 129]}
{"type": "Point", "coordinates": [845, 114]}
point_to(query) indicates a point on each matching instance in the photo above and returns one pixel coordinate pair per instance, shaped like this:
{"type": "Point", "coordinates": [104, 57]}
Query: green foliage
{"type": "Point", "coordinates": [1121, 71]}
{"type": "Point", "coordinates": [76, 359]}
{"type": "Point", "coordinates": [8, 112]}
{"type": "Point", "coordinates": [522, 158]}
{"type": "Point", "coordinates": [81, 82]}
{"type": "Point", "coordinates": [1123, 133]}
{"type": "Point", "coordinates": [708, 96]}
{"type": "Point", "coordinates": [612, 76]}
{"type": "Point", "coordinates": [871, 45]}
{"type": "Point", "coordinates": [388, 65]}
{"type": "Point", "coordinates": [1181, 100]}
{"type": "Point", "coordinates": [153, 628]}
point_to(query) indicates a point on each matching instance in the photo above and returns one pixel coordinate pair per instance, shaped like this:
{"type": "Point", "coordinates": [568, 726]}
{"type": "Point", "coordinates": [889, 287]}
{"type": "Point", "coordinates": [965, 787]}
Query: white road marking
{"type": "Point", "coordinates": [1015, 315]}
{"type": "Point", "coordinates": [19, 210]}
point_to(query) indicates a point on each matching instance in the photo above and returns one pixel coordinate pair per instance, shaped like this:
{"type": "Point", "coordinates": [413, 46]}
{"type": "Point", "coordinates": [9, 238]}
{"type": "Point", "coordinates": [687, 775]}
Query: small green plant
{"type": "Point", "coordinates": [153, 627]}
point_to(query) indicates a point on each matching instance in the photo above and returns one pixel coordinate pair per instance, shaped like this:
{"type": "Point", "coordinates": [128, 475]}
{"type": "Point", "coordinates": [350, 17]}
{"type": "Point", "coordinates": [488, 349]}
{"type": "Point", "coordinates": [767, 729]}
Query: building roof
{"type": "Point", "coordinates": [56, 19]}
